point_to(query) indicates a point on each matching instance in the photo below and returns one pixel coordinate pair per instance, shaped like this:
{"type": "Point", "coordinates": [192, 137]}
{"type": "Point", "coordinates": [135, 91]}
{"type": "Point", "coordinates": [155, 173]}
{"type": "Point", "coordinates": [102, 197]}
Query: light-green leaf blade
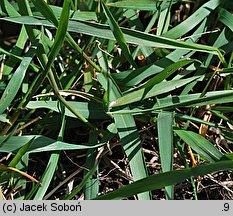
{"type": "Point", "coordinates": [165, 136]}
{"type": "Point", "coordinates": [144, 93]}
{"type": "Point", "coordinates": [17, 79]}
{"type": "Point", "coordinates": [200, 145]}
{"type": "Point", "coordinates": [118, 34]}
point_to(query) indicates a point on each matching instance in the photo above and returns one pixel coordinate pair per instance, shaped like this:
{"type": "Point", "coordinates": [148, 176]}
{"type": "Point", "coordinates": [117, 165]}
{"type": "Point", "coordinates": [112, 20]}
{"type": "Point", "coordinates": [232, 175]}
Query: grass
{"type": "Point", "coordinates": [116, 99]}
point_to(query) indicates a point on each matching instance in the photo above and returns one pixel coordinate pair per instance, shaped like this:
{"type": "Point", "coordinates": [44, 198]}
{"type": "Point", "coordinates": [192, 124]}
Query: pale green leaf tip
{"type": "Point", "coordinates": [112, 104]}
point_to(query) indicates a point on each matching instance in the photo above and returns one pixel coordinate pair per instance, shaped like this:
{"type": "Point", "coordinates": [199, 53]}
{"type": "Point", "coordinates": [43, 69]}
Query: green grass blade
{"type": "Point", "coordinates": [194, 119]}
{"type": "Point", "coordinates": [17, 51]}
{"type": "Point", "coordinates": [58, 42]}
{"type": "Point", "coordinates": [9, 8]}
{"type": "Point", "coordinates": [147, 92]}
{"type": "Point", "coordinates": [131, 76]}
{"type": "Point", "coordinates": [200, 145]}
{"type": "Point", "coordinates": [128, 134]}
{"type": "Point", "coordinates": [192, 100]}
{"type": "Point", "coordinates": [46, 11]}
{"type": "Point", "coordinates": [20, 161]}
{"type": "Point", "coordinates": [134, 77]}
{"type": "Point", "coordinates": [131, 36]}
{"type": "Point", "coordinates": [132, 145]}
{"type": "Point", "coordinates": [189, 100]}
{"type": "Point", "coordinates": [88, 110]}
{"type": "Point", "coordinates": [158, 181]}
{"type": "Point", "coordinates": [226, 18]}
{"type": "Point", "coordinates": [17, 78]}
{"type": "Point", "coordinates": [225, 109]}
{"type": "Point", "coordinates": [168, 71]}
{"type": "Point", "coordinates": [118, 34]}
{"type": "Point", "coordinates": [165, 136]}
{"type": "Point", "coordinates": [83, 182]}
{"type": "Point", "coordinates": [48, 175]}
{"type": "Point", "coordinates": [193, 20]}
{"type": "Point", "coordinates": [91, 188]}
{"type": "Point", "coordinates": [74, 15]}
{"type": "Point", "coordinates": [164, 19]}
{"type": "Point", "coordinates": [145, 5]}
{"type": "Point", "coordinates": [61, 31]}
{"type": "Point", "coordinates": [40, 144]}
{"type": "Point", "coordinates": [21, 152]}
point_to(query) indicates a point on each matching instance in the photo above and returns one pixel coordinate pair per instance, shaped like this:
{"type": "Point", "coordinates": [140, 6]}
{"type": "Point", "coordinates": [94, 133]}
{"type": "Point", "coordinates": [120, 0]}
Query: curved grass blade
{"type": "Point", "coordinates": [118, 34]}
{"type": "Point", "coordinates": [158, 181]}
{"type": "Point", "coordinates": [86, 109]}
{"type": "Point", "coordinates": [48, 175]}
{"type": "Point", "coordinates": [13, 86]}
{"type": "Point", "coordinates": [192, 20]}
{"type": "Point", "coordinates": [61, 33]}
{"type": "Point", "coordinates": [168, 71]}
{"type": "Point", "coordinates": [151, 91]}
{"type": "Point", "coordinates": [189, 100]}
{"type": "Point", "coordinates": [40, 144]}
{"type": "Point", "coordinates": [21, 152]}
{"type": "Point", "coordinates": [200, 145]}
{"type": "Point", "coordinates": [226, 18]}
{"type": "Point", "coordinates": [131, 36]}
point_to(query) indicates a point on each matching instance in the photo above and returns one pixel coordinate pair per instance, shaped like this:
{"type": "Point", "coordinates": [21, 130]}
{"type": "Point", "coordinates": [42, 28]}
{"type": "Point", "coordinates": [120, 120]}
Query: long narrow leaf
{"type": "Point", "coordinates": [226, 18]}
{"type": "Point", "coordinates": [17, 79]}
{"type": "Point", "coordinates": [146, 5]}
{"type": "Point", "coordinates": [6, 168]}
{"type": "Point", "coordinates": [168, 71]}
{"type": "Point", "coordinates": [88, 110]}
{"type": "Point", "coordinates": [21, 152]}
{"type": "Point", "coordinates": [193, 20]}
{"type": "Point", "coordinates": [131, 36]}
{"type": "Point", "coordinates": [128, 133]}
{"type": "Point", "coordinates": [118, 34]}
{"type": "Point", "coordinates": [202, 146]}
{"type": "Point", "coordinates": [165, 135]}
{"type": "Point", "coordinates": [83, 182]}
{"type": "Point", "coordinates": [189, 100]}
{"type": "Point", "coordinates": [144, 93]}
{"type": "Point", "coordinates": [91, 188]}
{"type": "Point", "coordinates": [53, 161]}
{"type": "Point", "coordinates": [40, 144]}
{"type": "Point", "coordinates": [158, 181]}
